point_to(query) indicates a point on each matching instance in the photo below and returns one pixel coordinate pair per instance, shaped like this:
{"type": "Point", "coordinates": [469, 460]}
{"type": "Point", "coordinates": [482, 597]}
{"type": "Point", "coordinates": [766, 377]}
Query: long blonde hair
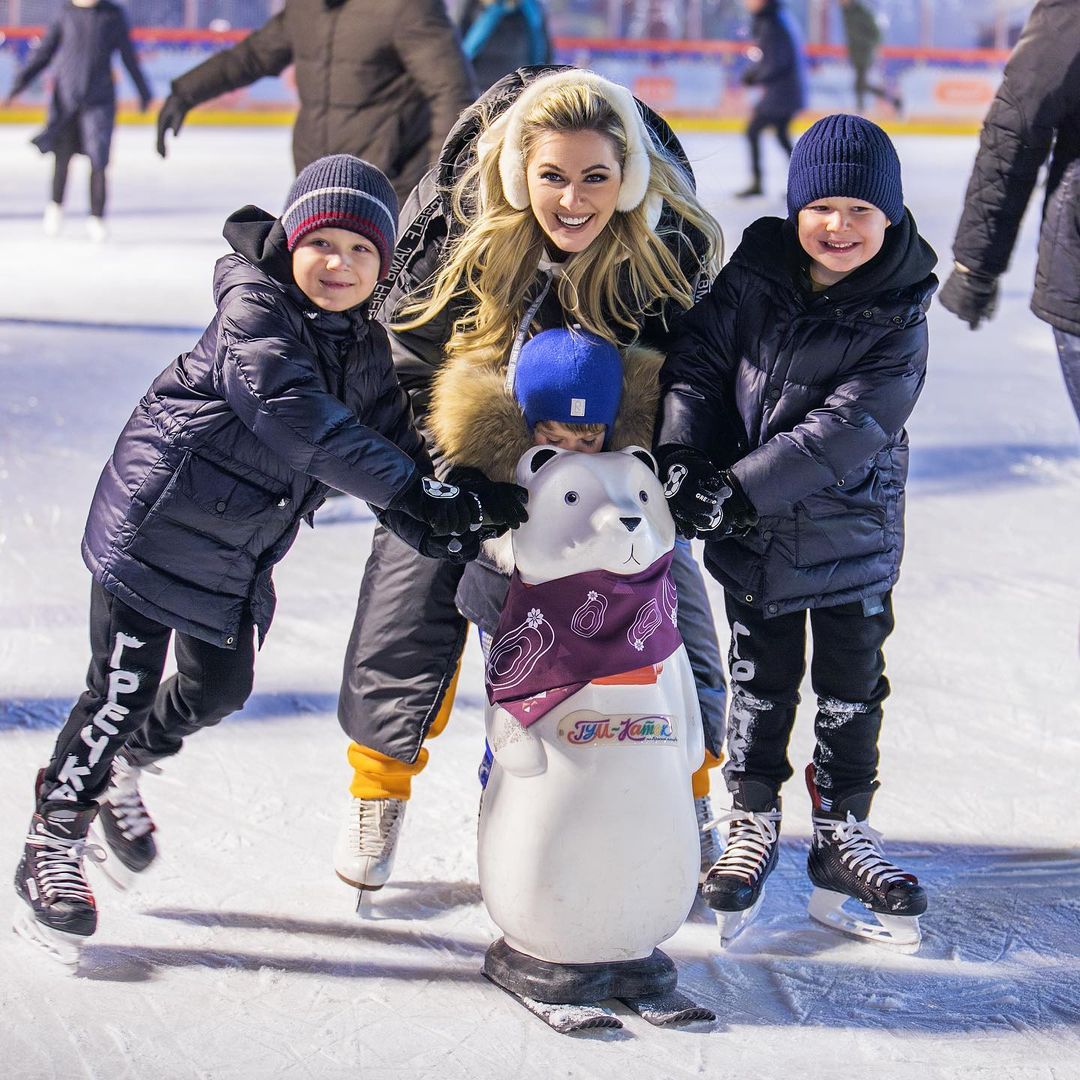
{"type": "Point", "coordinates": [491, 256]}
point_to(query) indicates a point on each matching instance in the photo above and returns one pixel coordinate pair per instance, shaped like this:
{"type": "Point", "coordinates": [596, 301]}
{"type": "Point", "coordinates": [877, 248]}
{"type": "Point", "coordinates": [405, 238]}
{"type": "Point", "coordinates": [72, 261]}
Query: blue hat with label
{"type": "Point", "coordinates": [569, 376]}
{"type": "Point", "coordinates": [845, 157]}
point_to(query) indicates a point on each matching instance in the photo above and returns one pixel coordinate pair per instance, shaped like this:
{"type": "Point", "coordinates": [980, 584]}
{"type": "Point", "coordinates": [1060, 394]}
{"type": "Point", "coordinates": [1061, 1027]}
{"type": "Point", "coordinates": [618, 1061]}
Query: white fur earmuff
{"type": "Point", "coordinates": [507, 129]}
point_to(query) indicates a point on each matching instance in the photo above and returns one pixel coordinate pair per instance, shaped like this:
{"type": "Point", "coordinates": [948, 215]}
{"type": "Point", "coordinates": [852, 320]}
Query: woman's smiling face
{"type": "Point", "coordinates": [574, 179]}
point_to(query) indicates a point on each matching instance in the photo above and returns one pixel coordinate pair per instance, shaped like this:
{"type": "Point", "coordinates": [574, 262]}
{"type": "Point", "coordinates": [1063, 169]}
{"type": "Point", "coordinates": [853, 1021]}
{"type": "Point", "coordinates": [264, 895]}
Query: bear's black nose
{"type": "Point", "coordinates": [630, 523]}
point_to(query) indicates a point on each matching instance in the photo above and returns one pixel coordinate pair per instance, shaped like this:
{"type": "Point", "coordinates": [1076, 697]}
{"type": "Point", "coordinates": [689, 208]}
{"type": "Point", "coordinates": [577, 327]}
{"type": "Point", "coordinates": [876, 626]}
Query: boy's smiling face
{"type": "Point", "coordinates": [336, 269]}
{"type": "Point", "coordinates": [840, 235]}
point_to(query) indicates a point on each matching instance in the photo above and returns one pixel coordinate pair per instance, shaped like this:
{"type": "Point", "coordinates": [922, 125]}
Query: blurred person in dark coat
{"type": "Point", "coordinates": [383, 81]}
{"type": "Point", "coordinates": [863, 36]}
{"type": "Point", "coordinates": [82, 110]}
{"type": "Point", "coordinates": [500, 36]}
{"type": "Point", "coordinates": [1036, 110]}
{"type": "Point", "coordinates": [779, 69]}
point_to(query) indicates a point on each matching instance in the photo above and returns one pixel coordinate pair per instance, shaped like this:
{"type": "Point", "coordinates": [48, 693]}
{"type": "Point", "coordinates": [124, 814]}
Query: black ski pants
{"type": "Point", "coordinates": [127, 705]}
{"type": "Point", "coordinates": [767, 662]}
{"type": "Point", "coordinates": [758, 123]}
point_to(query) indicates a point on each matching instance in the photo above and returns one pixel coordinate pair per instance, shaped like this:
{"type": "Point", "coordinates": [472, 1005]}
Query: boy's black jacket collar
{"type": "Point", "coordinates": [259, 238]}
{"type": "Point", "coordinates": [770, 246]}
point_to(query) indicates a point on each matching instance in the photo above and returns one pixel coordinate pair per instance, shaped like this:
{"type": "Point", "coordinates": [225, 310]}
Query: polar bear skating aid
{"type": "Point", "coordinates": [588, 849]}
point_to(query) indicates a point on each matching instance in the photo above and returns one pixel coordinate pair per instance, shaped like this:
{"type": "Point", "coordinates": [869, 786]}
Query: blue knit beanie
{"type": "Point", "coordinates": [845, 157]}
{"type": "Point", "coordinates": [343, 192]}
{"type": "Point", "coordinates": [570, 376]}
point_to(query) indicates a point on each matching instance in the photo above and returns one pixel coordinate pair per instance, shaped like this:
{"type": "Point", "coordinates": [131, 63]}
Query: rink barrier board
{"type": "Point", "coordinates": [694, 84]}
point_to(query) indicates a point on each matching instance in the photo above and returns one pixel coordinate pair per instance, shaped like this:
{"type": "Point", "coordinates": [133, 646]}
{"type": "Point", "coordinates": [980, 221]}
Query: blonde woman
{"type": "Point", "coordinates": [559, 200]}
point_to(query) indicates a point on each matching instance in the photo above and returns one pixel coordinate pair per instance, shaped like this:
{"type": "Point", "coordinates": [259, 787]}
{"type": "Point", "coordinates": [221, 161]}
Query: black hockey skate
{"type": "Point", "coordinates": [733, 887]}
{"type": "Point", "coordinates": [125, 824]}
{"type": "Point", "coordinates": [58, 913]}
{"type": "Point", "coordinates": [846, 862]}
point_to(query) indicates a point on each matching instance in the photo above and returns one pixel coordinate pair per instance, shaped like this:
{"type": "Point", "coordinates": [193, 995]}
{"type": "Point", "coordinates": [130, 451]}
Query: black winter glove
{"type": "Point", "coordinates": [171, 118]}
{"type": "Point", "coordinates": [971, 296]}
{"type": "Point", "coordinates": [452, 549]}
{"type": "Point", "coordinates": [503, 504]}
{"type": "Point", "coordinates": [446, 508]}
{"type": "Point", "coordinates": [703, 499]}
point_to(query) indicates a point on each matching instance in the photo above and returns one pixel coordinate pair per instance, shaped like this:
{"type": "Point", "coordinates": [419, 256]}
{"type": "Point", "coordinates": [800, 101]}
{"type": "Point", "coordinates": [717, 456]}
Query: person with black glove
{"type": "Point", "coordinates": [1032, 122]}
{"type": "Point", "coordinates": [704, 500]}
{"type": "Point", "coordinates": [969, 295]}
{"type": "Point", "coordinates": [171, 118]}
{"type": "Point", "coordinates": [503, 505]}
{"type": "Point", "coordinates": [449, 510]}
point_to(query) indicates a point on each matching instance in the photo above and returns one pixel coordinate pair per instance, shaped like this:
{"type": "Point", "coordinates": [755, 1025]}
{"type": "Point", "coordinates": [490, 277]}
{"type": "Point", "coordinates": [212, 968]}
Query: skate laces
{"type": "Point", "coordinates": [751, 836]}
{"type": "Point", "coordinates": [859, 844]}
{"type": "Point", "coordinates": [124, 800]}
{"type": "Point", "coordinates": [58, 865]}
{"type": "Point", "coordinates": [374, 827]}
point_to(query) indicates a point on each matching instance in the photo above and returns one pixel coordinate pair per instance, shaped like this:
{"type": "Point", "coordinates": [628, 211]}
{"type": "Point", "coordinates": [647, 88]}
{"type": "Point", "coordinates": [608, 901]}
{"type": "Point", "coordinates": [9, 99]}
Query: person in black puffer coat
{"type": "Point", "coordinates": [384, 81]}
{"type": "Point", "coordinates": [1036, 107]}
{"type": "Point", "coordinates": [82, 109]}
{"type": "Point", "coordinates": [779, 70]}
{"type": "Point", "coordinates": [478, 270]}
{"type": "Point", "coordinates": [290, 390]}
{"type": "Point", "coordinates": [816, 331]}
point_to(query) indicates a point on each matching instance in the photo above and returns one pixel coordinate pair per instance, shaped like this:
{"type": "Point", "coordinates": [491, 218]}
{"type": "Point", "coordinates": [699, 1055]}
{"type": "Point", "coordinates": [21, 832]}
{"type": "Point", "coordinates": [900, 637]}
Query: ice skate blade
{"type": "Point", "coordinates": [364, 907]}
{"type": "Point", "coordinates": [897, 931]}
{"type": "Point", "coordinates": [732, 923]}
{"type": "Point", "coordinates": [61, 948]}
{"type": "Point", "coordinates": [111, 868]}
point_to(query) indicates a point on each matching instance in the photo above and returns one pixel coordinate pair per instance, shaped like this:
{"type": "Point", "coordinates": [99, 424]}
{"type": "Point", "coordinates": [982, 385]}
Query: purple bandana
{"type": "Point", "coordinates": [556, 637]}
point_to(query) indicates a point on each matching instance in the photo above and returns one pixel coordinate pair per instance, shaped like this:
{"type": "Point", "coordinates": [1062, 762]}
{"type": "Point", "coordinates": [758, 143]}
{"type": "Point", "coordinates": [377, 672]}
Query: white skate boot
{"type": "Point", "coordinates": [366, 845]}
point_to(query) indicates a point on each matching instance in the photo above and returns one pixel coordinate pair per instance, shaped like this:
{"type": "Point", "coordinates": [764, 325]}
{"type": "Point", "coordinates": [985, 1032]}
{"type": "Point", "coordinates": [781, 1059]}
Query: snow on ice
{"type": "Point", "coordinates": [241, 956]}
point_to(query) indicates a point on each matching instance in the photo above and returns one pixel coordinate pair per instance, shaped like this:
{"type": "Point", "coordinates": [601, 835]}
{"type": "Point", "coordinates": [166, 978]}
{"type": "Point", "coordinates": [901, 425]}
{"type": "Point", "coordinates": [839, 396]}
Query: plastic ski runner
{"type": "Point", "coordinates": [567, 1019]}
{"type": "Point", "coordinates": [672, 1008]}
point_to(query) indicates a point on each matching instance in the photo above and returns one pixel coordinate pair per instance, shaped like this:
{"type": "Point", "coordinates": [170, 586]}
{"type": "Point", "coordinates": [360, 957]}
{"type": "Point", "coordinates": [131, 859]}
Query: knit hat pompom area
{"type": "Point", "coordinates": [569, 376]}
{"type": "Point", "coordinates": [505, 135]}
{"type": "Point", "coordinates": [343, 192]}
{"type": "Point", "coordinates": [845, 157]}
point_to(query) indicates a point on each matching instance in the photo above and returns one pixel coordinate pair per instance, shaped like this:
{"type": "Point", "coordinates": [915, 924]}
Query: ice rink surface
{"type": "Point", "coordinates": [240, 956]}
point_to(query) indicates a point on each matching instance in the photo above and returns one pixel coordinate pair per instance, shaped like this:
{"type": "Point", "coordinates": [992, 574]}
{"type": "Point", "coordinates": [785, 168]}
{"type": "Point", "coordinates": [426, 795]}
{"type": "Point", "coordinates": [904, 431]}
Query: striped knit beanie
{"type": "Point", "coordinates": [343, 192]}
{"type": "Point", "coordinates": [845, 157]}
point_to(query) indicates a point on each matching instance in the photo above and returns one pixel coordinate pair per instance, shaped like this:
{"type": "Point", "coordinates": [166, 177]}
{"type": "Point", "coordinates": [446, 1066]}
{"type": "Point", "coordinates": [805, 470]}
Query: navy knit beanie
{"type": "Point", "coordinates": [570, 376]}
{"type": "Point", "coordinates": [343, 192]}
{"type": "Point", "coordinates": [845, 157]}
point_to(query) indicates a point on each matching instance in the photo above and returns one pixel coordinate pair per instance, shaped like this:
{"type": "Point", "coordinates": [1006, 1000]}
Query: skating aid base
{"type": "Point", "coordinates": [901, 932]}
{"type": "Point", "coordinates": [61, 948]}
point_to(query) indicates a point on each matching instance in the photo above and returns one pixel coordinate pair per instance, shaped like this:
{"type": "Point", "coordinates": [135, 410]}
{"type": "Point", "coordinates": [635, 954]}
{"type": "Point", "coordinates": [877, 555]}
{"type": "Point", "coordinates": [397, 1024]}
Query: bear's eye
{"type": "Point", "coordinates": [570, 498]}
{"type": "Point", "coordinates": [643, 496]}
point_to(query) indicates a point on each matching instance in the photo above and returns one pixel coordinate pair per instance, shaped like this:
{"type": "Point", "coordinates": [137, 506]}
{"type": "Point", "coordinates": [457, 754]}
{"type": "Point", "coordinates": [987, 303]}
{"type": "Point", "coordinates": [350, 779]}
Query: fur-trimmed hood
{"type": "Point", "coordinates": [476, 421]}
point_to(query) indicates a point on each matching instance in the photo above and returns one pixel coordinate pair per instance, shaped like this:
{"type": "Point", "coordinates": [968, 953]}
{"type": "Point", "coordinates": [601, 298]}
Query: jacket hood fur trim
{"type": "Point", "coordinates": [476, 421]}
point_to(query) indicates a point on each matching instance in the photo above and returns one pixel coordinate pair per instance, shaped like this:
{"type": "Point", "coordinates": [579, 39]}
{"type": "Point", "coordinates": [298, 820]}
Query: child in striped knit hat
{"type": "Point", "coordinates": [289, 392]}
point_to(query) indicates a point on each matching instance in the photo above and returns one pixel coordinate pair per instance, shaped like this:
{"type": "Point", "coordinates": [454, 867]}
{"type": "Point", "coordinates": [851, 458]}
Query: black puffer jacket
{"type": "Point", "coordinates": [236, 441]}
{"type": "Point", "coordinates": [1037, 106]}
{"type": "Point", "coordinates": [426, 220]}
{"type": "Point", "coordinates": [383, 81]}
{"type": "Point", "coordinates": [823, 384]}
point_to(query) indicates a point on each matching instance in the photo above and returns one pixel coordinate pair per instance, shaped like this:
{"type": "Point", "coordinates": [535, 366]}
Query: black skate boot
{"type": "Point", "coordinates": [59, 912]}
{"type": "Point", "coordinates": [125, 824]}
{"type": "Point", "coordinates": [707, 842]}
{"type": "Point", "coordinates": [733, 887]}
{"type": "Point", "coordinates": [846, 862]}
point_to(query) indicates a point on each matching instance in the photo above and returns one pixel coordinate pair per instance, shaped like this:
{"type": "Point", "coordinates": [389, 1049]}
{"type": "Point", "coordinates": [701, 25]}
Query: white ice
{"type": "Point", "coordinates": [241, 956]}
